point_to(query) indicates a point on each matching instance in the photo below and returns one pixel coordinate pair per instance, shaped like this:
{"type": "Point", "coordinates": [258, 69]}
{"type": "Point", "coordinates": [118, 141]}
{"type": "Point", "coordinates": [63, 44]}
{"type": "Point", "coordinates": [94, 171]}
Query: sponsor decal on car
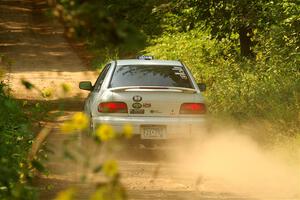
{"type": "Point", "coordinates": [137, 98]}
{"type": "Point", "coordinates": [137, 105]}
{"type": "Point", "coordinates": [137, 111]}
{"type": "Point", "coordinates": [146, 105]}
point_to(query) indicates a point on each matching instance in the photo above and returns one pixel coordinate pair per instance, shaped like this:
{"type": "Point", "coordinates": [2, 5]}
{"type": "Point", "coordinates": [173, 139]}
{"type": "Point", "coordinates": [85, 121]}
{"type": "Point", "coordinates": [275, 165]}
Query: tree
{"type": "Point", "coordinates": [229, 18]}
{"type": "Point", "coordinates": [118, 23]}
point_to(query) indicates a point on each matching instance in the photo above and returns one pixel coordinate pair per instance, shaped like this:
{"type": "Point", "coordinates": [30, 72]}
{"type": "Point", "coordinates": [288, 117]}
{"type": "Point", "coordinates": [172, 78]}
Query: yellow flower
{"type": "Point", "coordinates": [80, 121]}
{"type": "Point", "coordinates": [110, 168]}
{"type": "Point", "coordinates": [99, 194]}
{"type": "Point", "coordinates": [67, 127]}
{"type": "Point", "coordinates": [127, 130]}
{"type": "Point", "coordinates": [22, 177]}
{"type": "Point", "coordinates": [47, 92]}
{"type": "Point", "coordinates": [105, 132]}
{"type": "Point", "coordinates": [67, 194]}
{"type": "Point", "coordinates": [66, 87]}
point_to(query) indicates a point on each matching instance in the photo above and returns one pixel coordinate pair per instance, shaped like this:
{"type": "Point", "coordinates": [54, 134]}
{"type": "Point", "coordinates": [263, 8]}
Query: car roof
{"type": "Point", "coordinates": [149, 62]}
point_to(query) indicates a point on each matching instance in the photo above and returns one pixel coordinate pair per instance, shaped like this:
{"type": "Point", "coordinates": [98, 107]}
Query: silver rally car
{"type": "Point", "coordinates": [159, 98]}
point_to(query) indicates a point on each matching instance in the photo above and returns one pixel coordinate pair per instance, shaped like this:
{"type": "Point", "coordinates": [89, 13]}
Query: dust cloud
{"type": "Point", "coordinates": [231, 162]}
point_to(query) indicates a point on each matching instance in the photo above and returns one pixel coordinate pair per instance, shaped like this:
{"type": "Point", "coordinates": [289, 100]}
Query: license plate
{"type": "Point", "coordinates": [153, 132]}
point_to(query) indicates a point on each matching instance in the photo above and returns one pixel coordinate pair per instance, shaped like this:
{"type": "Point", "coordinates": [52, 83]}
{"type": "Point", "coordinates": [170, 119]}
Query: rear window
{"type": "Point", "coordinates": [150, 75]}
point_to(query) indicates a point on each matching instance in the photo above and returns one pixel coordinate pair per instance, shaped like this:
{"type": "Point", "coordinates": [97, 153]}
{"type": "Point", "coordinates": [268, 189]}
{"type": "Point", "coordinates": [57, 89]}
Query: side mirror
{"type": "Point", "coordinates": [202, 87]}
{"type": "Point", "coordinates": [86, 85]}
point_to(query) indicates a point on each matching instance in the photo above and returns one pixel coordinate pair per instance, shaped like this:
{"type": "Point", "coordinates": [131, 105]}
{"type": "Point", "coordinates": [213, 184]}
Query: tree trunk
{"type": "Point", "coordinates": [245, 34]}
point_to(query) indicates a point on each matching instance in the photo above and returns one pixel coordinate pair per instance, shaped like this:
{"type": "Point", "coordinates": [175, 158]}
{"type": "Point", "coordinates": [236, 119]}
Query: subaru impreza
{"type": "Point", "coordinates": [158, 98]}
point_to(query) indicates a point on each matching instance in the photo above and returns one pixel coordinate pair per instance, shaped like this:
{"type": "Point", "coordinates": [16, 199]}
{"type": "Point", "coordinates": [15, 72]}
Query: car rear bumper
{"type": "Point", "coordinates": [179, 127]}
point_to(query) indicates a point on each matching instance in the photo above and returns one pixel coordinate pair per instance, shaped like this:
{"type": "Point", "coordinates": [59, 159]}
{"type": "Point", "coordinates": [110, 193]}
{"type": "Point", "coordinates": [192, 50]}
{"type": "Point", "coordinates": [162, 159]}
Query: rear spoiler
{"type": "Point", "coordinates": [153, 88]}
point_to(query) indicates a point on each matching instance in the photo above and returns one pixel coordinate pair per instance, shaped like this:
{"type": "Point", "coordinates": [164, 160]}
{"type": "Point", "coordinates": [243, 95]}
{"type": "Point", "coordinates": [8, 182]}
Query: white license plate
{"type": "Point", "coordinates": [153, 132]}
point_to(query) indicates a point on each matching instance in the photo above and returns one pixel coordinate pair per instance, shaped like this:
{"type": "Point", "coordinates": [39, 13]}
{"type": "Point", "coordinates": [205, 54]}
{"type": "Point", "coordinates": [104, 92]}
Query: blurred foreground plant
{"type": "Point", "coordinates": [105, 140]}
{"type": "Point", "coordinates": [67, 194]}
{"type": "Point", "coordinates": [78, 122]}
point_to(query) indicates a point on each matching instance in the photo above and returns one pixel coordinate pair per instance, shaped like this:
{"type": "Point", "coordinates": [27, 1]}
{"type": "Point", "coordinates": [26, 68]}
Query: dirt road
{"type": "Point", "coordinates": [40, 54]}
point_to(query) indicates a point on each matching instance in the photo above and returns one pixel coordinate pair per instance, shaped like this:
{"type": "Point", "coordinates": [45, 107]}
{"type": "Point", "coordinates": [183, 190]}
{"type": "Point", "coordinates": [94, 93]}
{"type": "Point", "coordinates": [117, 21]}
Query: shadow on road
{"type": "Point", "coordinates": [34, 41]}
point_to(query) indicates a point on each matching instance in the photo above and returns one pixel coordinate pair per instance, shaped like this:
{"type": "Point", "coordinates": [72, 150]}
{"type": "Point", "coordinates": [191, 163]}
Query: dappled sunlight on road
{"type": "Point", "coordinates": [38, 52]}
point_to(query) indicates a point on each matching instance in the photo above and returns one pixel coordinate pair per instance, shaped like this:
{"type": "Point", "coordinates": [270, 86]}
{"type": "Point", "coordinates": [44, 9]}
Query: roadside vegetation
{"type": "Point", "coordinates": [18, 127]}
{"type": "Point", "coordinates": [247, 52]}
{"type": "Point", "coordinates": [16, 138]}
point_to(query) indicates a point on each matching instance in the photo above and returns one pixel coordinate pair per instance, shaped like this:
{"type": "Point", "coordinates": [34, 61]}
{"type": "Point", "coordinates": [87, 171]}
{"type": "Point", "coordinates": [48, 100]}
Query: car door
{"type": "Point", "coordinates": [96, 89]}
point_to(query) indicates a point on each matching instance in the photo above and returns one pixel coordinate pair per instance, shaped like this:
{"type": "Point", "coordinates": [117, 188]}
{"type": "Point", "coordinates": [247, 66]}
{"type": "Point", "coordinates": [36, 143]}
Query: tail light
{"type": "Point", "coordinates": [192, 108]}
{"type": "Point", "coordinates": [113, 107]}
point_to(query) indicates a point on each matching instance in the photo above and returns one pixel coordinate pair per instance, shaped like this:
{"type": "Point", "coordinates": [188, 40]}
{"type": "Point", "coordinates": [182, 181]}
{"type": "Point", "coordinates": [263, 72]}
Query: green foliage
{"type": "Point", "coordinates": [107, 23]}
{"type": "Point", "coordinates": [15, 143]}
{"type": "Point", "coordinates": [240, 21]}
{"type": "Point", "coordinates": [122, 26]}
{"type": "Point", "coordinates": [265, 89]}
{"type": "Point", "coordinates": [206, 36]}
